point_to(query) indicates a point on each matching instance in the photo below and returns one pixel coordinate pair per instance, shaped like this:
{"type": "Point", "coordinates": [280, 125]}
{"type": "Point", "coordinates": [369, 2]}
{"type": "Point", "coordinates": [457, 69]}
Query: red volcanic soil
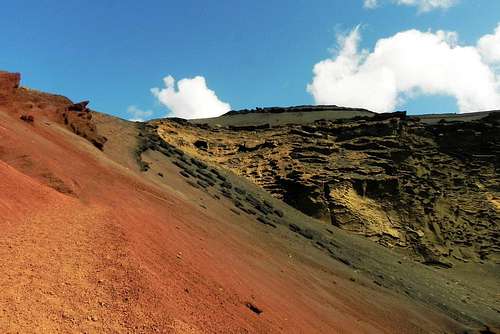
{"type": "Point", "coordinates": [91, 246]}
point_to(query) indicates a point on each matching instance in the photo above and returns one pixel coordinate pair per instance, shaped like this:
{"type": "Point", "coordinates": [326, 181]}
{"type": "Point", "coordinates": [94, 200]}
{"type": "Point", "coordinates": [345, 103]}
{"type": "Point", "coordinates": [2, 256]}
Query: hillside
{"type": "Point", "coordinates": [114, 226]}
{"type": "Point", "coordinates": [428, 185]}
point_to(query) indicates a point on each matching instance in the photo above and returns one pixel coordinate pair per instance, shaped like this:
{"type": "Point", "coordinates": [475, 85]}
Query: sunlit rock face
{"type": "Point", "coordinates": [427, 184]}
{"type": "Point", "coordinates": [9, 82]}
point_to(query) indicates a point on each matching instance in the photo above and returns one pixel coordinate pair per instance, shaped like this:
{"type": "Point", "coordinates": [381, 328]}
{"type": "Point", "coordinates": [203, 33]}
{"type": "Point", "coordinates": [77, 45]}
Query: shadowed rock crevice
{"type": "Point", "coordinates": [253, 308]}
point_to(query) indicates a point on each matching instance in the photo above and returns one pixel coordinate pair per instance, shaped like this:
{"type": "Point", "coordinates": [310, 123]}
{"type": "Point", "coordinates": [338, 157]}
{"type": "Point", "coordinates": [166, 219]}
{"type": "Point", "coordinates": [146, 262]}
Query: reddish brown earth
{"type": "Point", "coordinates": [91, 245]}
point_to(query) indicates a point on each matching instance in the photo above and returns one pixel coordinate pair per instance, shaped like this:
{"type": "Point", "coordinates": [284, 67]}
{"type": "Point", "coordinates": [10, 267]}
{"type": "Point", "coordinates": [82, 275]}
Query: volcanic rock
{"type": "Point", "coordinates": [79, 107]}
{"type": "Point", "coordinates": [428, 185]}
{"type": "Point", "coordinates": [9, 83]}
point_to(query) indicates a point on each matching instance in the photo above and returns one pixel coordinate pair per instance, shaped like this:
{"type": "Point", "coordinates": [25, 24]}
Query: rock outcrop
{"type": "Point", "coordinates": [30, 105]}
{"type": "Point", "coordinates": [79, 119]}
{"type": "Point", "coordinates": [9, 82]}
{"type": "Point", "coordinates": [429, 187]}
{"type": "Point", "coordinates": [304, 108]}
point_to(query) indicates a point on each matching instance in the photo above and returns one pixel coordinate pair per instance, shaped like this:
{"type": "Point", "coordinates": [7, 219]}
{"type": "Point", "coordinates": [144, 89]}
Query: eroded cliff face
{"type": "Point", "coordinates": [33, 107]}
{"type": "Point", "coordinates": [427, 186]}
{"type": "Point", "coordinates": [9, 83]}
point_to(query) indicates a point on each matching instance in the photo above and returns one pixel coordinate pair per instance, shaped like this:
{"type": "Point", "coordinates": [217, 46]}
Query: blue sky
{"type": "Point", "coordinates": [251, 53]}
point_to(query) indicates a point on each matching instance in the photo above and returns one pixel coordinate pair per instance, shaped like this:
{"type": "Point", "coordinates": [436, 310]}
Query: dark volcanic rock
{"type": "Point", "coordinates": [279, 110]}
{"type": "Point", "coordinates": [80, 106]}
{"type": "Point", "coordinates": [201, 144]}
{"type": "Point", "coordinates": [308, 198]}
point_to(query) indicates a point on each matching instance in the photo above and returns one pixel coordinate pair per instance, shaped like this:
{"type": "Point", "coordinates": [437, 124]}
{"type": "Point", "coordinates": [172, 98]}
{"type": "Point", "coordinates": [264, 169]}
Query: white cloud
{"type": "Point", "coordinates": [403, 66]}
{"type": "Point", "coordinates": [193, 99]}
{"type": "Point", "coordinates": [370, 4]}
{"type": "Point", "coordinates": [428, 5]}
{"type": "Point", "coordinates": [422, 5]}
{"type": "Point", "coordinates": [489, 47]}
{"type": "Point", "coordinates": [138, 115]}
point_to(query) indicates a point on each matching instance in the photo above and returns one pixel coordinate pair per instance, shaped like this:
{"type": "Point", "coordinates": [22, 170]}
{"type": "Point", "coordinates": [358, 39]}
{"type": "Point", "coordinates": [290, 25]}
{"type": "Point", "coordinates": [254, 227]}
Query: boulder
{"type": "Point", "coordinates": [79, 107]}
{"type": "Point", "coordinates": [201, 144]}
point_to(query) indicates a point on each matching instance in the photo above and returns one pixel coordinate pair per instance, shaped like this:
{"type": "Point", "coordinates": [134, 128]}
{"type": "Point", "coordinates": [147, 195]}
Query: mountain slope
{"type": "Point", "coordinates": [429, 184]}
{"type": "Point", "coordinates": [101, 233]}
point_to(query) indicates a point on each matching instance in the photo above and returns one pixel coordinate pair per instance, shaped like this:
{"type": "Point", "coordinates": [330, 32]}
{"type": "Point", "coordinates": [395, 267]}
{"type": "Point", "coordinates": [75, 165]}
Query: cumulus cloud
{"type": "Point", "coordinates": [406, 65]}
{"type": "Point", "coordinates": [138, 115]}
{"type": "Point", "coordinates": [489, 47]}
{"type": "Point", "coordinates": [422, 5]}
{"type": "Point", "coordinates": [192, 99]}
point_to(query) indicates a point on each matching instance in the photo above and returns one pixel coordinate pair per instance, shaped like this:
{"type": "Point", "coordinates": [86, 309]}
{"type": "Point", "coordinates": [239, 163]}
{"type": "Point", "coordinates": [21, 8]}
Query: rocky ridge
{"type": "Point", "coordinates": [33, 105]}
{"type": "Point", "coordinates": [426, 186]}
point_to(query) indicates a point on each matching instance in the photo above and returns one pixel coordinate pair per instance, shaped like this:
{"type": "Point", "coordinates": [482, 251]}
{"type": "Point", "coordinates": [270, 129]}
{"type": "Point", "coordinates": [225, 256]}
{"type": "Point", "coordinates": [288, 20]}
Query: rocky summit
{"type": "Point", "coordinates": [428, 185]}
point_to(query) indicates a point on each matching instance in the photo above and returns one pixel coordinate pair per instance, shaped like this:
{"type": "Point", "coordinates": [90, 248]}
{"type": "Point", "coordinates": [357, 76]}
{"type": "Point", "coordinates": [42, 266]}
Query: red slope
{"type": "Point", "coordinates": [115, 253]}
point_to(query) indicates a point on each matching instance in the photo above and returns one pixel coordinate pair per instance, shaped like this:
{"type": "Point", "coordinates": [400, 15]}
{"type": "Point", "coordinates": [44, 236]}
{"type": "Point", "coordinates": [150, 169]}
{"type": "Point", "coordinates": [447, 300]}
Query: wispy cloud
{"type": "Point", "coordinates": [138, 115]}
{"type": "Point", "coordinates": [370, 4]}
{"type": "Point", "coordinates": [406, 65]}
{"type": "Point", "coordinates": [422, 5]}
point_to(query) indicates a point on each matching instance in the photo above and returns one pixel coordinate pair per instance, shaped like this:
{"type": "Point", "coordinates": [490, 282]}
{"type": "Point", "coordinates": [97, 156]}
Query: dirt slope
{"type": "Point", "coordinates": [90, 243]}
